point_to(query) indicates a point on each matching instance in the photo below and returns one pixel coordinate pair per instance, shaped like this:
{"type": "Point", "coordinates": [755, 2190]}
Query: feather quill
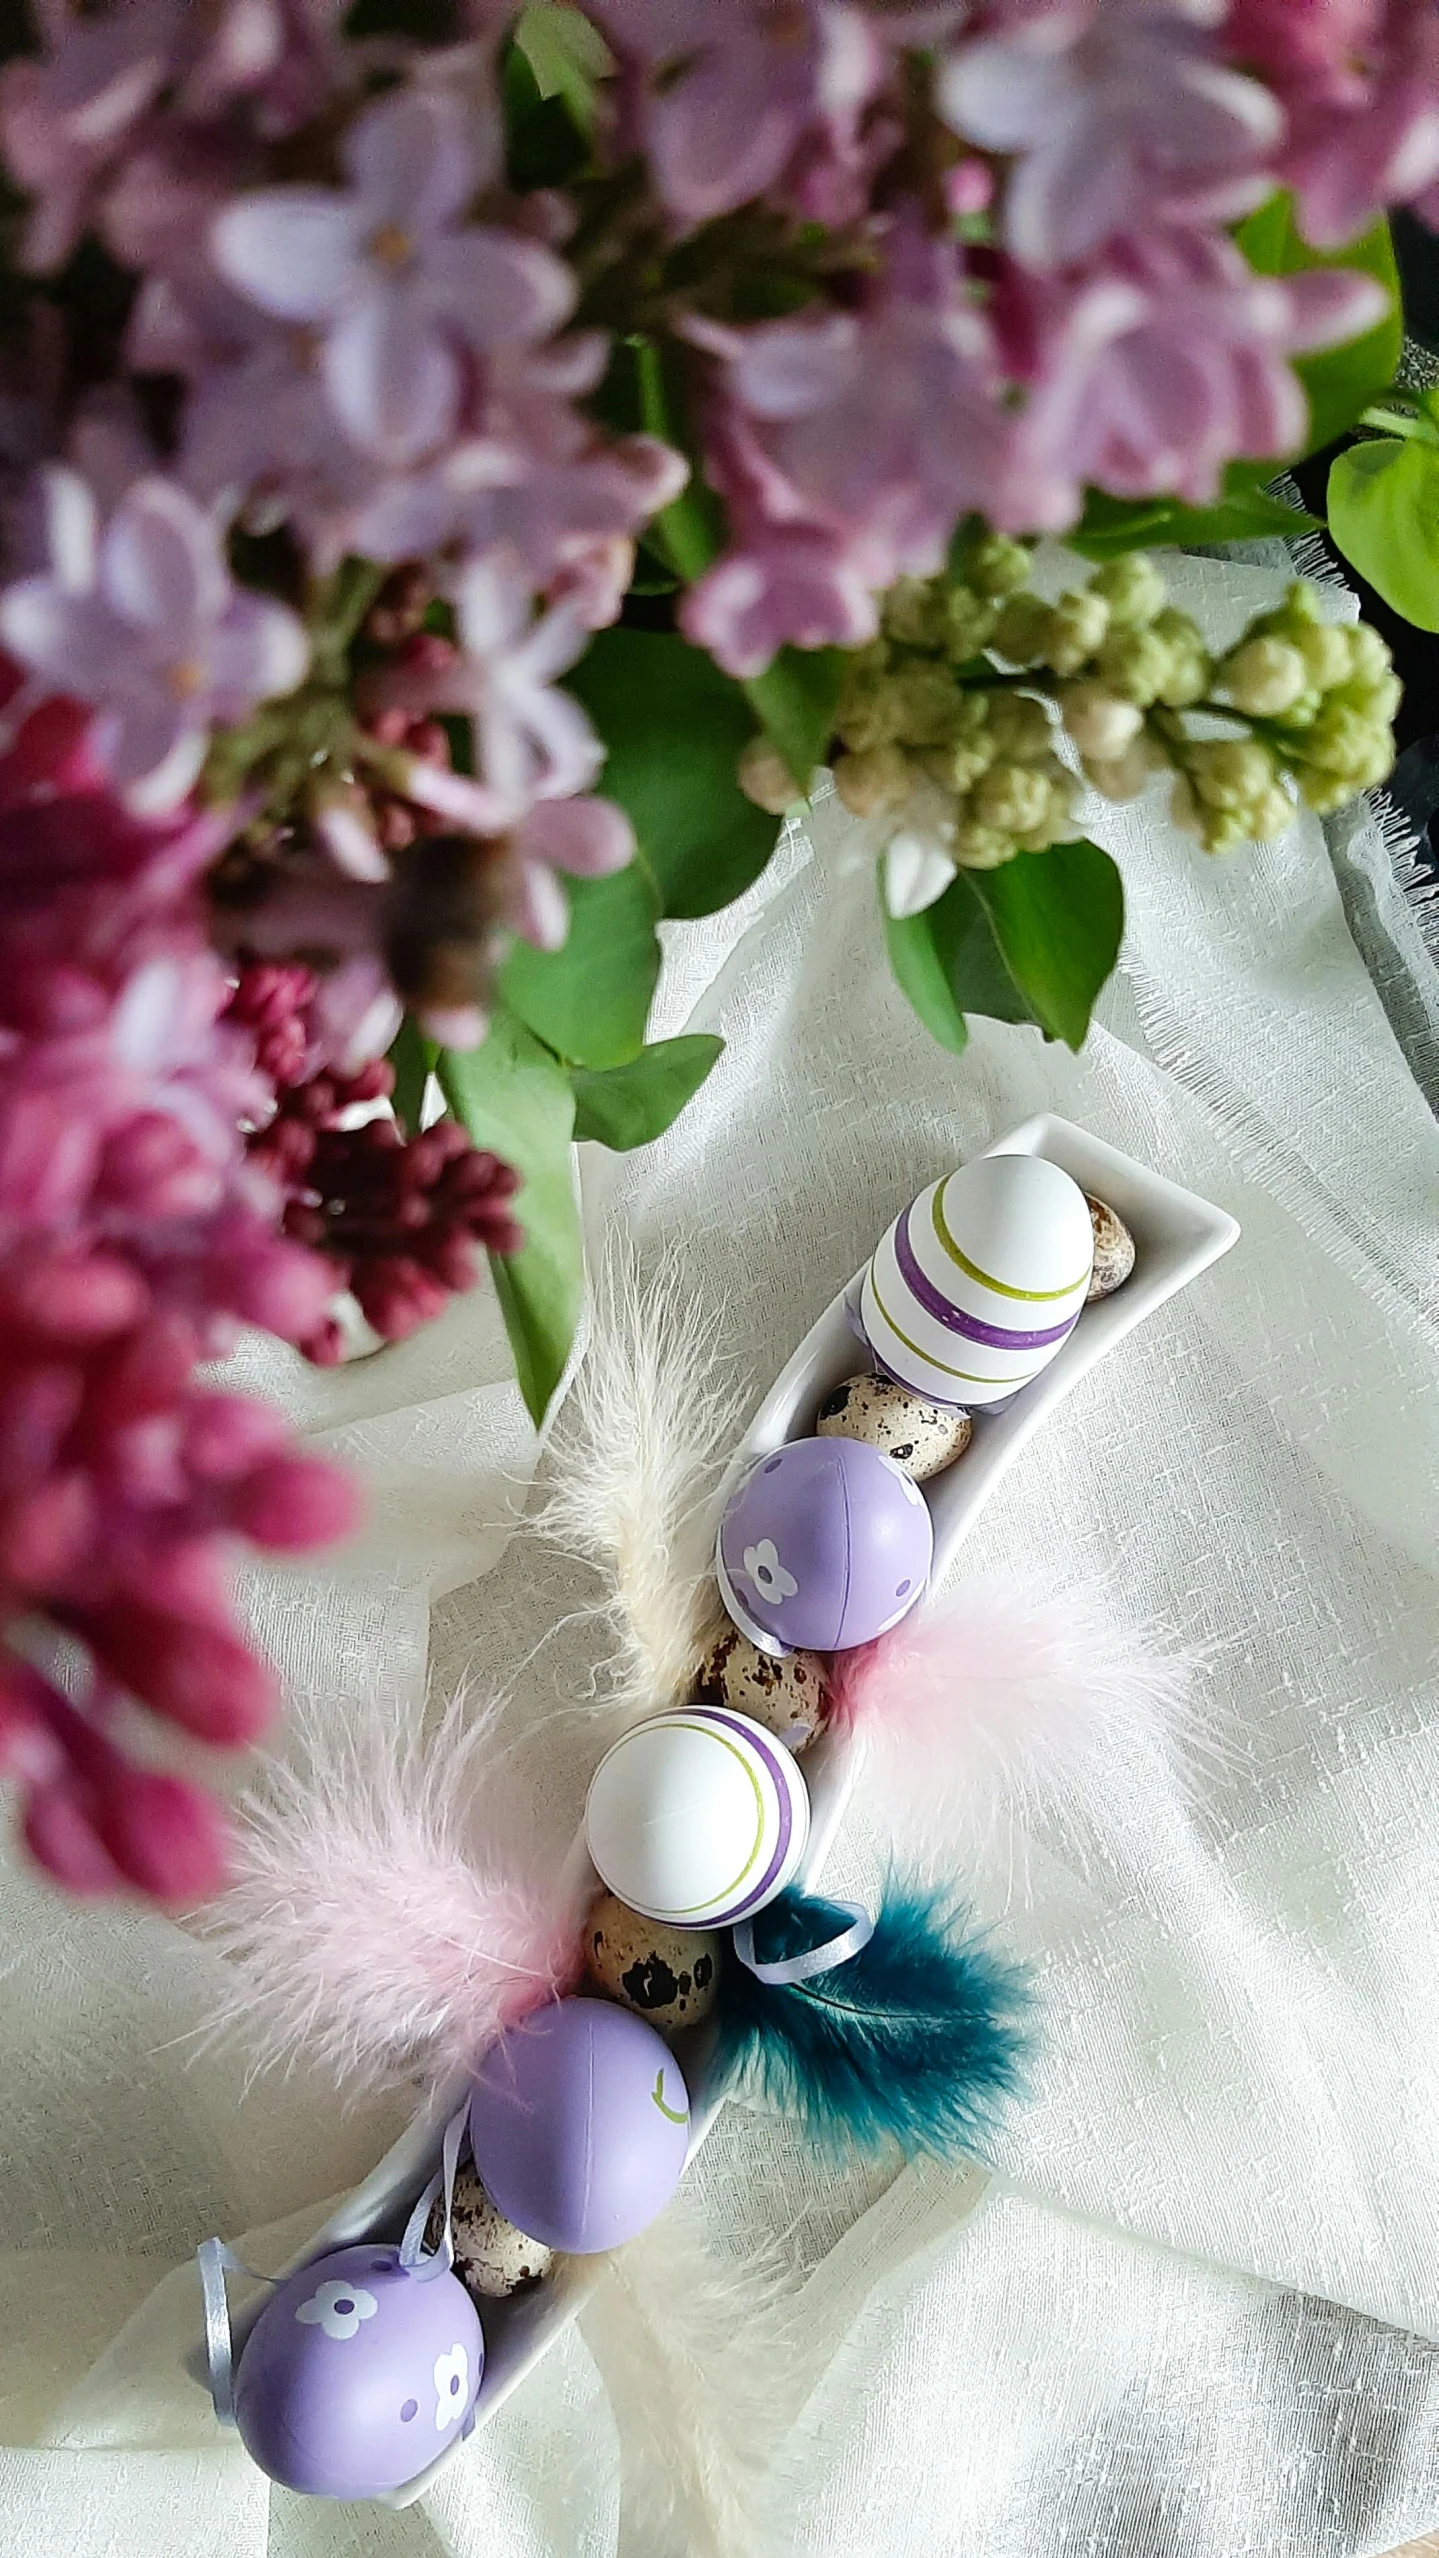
{"type": "Point", "coordinates": [639, 1448]}
{"type": "Point", "coordinates": [914, 2043]}
{"type": "Point", "coordinates": [388, 1913]}
{"type": "Point", "coordinates": [696, 2354]}
{"type": "Point", "coordinates": [995, 1713]}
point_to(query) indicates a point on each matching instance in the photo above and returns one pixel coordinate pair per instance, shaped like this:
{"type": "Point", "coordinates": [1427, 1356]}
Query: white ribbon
{"type": "Point", "coordinates": [820, 1958]}
{"type": "Point", "coordinates": [412, 2258]}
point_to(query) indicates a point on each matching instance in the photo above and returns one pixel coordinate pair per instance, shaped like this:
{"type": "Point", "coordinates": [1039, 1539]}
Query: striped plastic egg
{"type": "Point", "coordinates": [697, 1817]}
{"type": "Point", "coordinates": [975, 1287]}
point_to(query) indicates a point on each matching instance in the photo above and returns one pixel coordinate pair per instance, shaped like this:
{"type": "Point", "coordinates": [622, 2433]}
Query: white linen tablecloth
{"type": "Point", "coordinates": [1196, 2309]}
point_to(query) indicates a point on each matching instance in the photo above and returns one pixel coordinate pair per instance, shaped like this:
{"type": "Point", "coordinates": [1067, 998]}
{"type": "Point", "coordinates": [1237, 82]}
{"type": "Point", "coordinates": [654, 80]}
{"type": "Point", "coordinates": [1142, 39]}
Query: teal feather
{"type": "Point", "coordinates": [915, 2043]}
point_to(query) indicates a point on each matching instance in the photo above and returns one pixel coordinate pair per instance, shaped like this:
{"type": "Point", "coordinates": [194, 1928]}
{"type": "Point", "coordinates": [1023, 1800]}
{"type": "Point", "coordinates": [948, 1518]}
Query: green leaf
{"type": "Point", "coordinates": [675, 727]}
{"type": "Point", "coordinates": [1384, 515]}
{"type": "Point", "coordinates": [515, 1098]}
{"type": "Point", "coordinates": [947, 962]}
{"type": "Point", "coordinates": [1245, 513]}
{"type": "Point", "coordinates": [633, 1104]}
{"type": "Point", "coordinates": [590, 999]}
{"type": "Point", "coordinates": [567, 55]}
{"type": "Point", "coordinates": [413, 1058]}
{"type": "Point", "coordinates": [1058, 920]}
{"type": "Point", "coordinates": [1342, 380]}
{"type": "Point", "coordinates": [795, 700]}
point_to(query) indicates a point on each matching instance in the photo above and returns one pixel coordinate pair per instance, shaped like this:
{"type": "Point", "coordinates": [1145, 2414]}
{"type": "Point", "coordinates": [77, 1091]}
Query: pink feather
{"type": "Point", "coordinates": [993, 1709]}
{"type": "Point", "coordinates": [389, 1913]}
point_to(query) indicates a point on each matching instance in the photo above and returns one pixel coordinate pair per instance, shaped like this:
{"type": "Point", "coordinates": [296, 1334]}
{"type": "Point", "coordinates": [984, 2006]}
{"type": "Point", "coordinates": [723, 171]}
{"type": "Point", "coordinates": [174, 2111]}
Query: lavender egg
{"type": "Point", "coordinates": [698, 1817]}
{"type": "Point", "coordinates": [826, 1544]}
{"type": "Point", "coordinates": [357, 2375]}
{"type": "Point", "coordinates": [579, 2125]}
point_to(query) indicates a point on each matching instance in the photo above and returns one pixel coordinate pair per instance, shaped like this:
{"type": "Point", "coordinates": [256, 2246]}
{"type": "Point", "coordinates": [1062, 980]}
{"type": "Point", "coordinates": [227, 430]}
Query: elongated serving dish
{"type": "Point", "coordinates": [1176, 1236]}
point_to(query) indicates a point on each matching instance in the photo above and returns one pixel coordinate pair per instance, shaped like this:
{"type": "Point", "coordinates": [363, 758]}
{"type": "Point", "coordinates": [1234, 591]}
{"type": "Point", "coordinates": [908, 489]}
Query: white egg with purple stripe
{"type": "Point", "coordinates": [698, 1817]}
{"type": "Point", "coordinates": [974, 1289]}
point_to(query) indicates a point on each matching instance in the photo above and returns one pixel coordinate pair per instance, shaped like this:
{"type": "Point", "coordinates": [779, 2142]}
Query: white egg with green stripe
{"type": "Point", "coordinates": [974, 1289]}
{"type": "Point", "coordinates": [698, 1817]}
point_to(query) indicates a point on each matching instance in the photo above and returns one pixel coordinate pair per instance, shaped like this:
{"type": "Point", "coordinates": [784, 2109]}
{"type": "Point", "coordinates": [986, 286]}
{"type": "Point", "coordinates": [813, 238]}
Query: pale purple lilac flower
{"type": "Point", "coordinates": [1359, 84]}
{"type": "Point", "coordinates": [400, 285]}
{"type": "Point", "coordinates": [65, 120]}
{"type": "Point", "coordinates": [1116, 119]}
{"type": "Point", "coordinates": [727, 97]}
{"type": "Point", "coordinates": [1167, 361]}
{"type": "Point", "coordinates": [144, 623]}
{"type": "Point", "coordinates": [846, 446]}
{"type": "Point", "coordinates": [531, 740]}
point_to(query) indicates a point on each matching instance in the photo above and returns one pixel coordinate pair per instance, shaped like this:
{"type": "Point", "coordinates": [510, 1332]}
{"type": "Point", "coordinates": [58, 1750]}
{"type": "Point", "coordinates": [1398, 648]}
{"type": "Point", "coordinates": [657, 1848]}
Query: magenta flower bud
{"type": "Point", "coordinates": [45, 1536]}
{"type": "Point", "coordinates": [291, 1504]}
{"type": "Point", "coordinates": [166, 1837]}
{"type": "Point", "coordinates": [61, 1836]}
{"type": "Point", "coordinates": [226, 1436]}
{"type": "Point", "coordinates": [72, 1298]}
{"type": "Point", "coordinates": [201, 1676]}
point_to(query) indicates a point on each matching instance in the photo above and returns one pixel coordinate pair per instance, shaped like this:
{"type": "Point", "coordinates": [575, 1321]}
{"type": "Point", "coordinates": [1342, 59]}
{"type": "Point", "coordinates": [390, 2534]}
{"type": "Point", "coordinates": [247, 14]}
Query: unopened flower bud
{"type": "Point", "coordinates": [995, 566]}
{"type": "Point", "coordinates": [1191, 668]}
{"type": "Point", "coordinates": [1271, 815]}
{"type": "Point", "coordinates": [1018, 724]}
{"type": "Point", "coordinates": [969, 621]}
{"type": "Point", "coordinates": [879, 778]}
{"type": "Point", "coordinates": [765, 778]}
{"type": "Point", "coordinates": [1077, 625]}
{"type": "Point", "coordinates": [1135, 664]}
{"type": "Point", "coordinates": [922, 701]}
{"type": "Point", "coordinates": [1341, 739]}
{"type": "Point", "coordinates": [1327, 649]}
{"type": "Point", "coordinates": [1370, 656]}
{"type": "Point", "coordinates": [1021, 631]}
{"type": "Point", "coordinates": [1124, 776]}
{"type": "Point", "coordinates": [1100, 723]}
{"type": "Point", "coordinates": [914, 612]}
{"type": "Point", "coordinates": [1132, 588]}
{"type": "Point", "coordinates": [1011, 798]}
{"type": "Point", "coordinates": [1264, 678]}
{"type": "Point", "coordinates": [1230, 773]}
{"type": "Point", "coordinates": [977, 847]}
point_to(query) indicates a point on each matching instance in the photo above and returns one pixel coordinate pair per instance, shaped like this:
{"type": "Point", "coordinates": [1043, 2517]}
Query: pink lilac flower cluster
{"type": "Point", "coordinates": [402, 1218]}
{"type": "Point", "coordinates": [135, 1240]}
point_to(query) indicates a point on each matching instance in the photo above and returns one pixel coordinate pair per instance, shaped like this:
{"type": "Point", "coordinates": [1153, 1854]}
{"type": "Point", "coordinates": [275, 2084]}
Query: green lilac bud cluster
{"type": "Point", "coordinates": [913, 713]}
{"type": "Point", "coordinates": [1325, 694]}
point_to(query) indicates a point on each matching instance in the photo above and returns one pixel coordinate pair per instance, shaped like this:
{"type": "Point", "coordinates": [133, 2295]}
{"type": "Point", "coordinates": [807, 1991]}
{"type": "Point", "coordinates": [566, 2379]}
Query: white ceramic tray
{"type": "Point", "coordinates": [1176, 1236]}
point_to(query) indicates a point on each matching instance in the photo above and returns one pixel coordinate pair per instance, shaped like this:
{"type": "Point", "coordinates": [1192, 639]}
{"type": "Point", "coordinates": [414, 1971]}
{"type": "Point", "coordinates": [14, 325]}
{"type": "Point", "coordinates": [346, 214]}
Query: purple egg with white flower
{"type": "Point", "coordinates": [697, 1818]}
{"type": "Point", "coordinates": [981, 1282]}
{"type": "Point", "coordinates": [579, 2124]}
{"type": "Point", "coordinates": [826, 1544]}
{"type": "Point", "coordinates": [358, 2374]}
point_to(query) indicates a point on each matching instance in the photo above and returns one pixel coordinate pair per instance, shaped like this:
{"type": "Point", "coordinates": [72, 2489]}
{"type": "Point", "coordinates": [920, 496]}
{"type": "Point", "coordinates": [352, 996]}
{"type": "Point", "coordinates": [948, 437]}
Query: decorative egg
{"type": "Point", "coordinates": [579, 2124]}
{"type": "Point", "coordinates": [978, 1284]}
{"type": "Point", "coordinates": [668, 1974]}
{"type": "Point", "coordinates": [492, 2257]}
{"type": "Point", "coordinates": [825, 1544]}
{"type": "Point", "coordinates": [1113, 1250]}
{"type": "Point", "coordinates": [783, 1692]}
{"type": "Point", "coordinates": [698, 1817]}
{"type": "Point", "coordinates": [923, 1438]}
{"type": "Point", "coordinates": [358, 2374]}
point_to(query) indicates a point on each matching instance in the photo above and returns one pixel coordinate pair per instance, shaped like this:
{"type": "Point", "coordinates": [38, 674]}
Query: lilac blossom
{"type": "Point", "coordinates": [1169, 362]}
{"type": "Point", "coordinates": [730, 95]}
{"type": "Point", "coordinates": [531, 740]}
{"type": "Point", "coordinates": [1114, 119]}
{"type": "Point", "coordinates": [65, 120]}
{"type": "Point", "coordinates": [1359, 83]}
{"type": "Point", "coordinates": [144, 623]}
{"type": "Point", "coordinates": [399, 284]}
{"type": "Point", "coordinates": [846, 446]}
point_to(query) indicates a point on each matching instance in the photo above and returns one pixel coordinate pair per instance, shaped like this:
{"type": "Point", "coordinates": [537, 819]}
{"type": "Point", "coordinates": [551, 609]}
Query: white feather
{"type": "Point", "coordinates": [638, 1450]}
{"type": "Point", "coordinates": [696, 2353]}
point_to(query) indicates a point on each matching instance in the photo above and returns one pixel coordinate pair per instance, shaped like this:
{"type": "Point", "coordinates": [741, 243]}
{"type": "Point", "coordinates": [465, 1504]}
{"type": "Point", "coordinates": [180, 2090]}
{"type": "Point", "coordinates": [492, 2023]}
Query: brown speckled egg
{"type": "Point", "coordinates": [492, 2257]}
{"type": "Point", "coordinates": [668, 1975]}
{"type": "Point", "coordinates": [922, 1438]}
{"type": "Point", "coordinates": [786, 1696]}
{"type": "Point", "coordinates": [1113, 1251]}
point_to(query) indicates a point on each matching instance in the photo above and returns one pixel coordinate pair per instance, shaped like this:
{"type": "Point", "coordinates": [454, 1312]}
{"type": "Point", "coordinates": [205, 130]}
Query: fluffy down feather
{"type": "Point", "coordinates": [914, 2043]}
{"type": "Point", "coordinates": [696, 2353]}
{"type": "Point", "coordinates": [638, 1448]}
{"type": "Point", "coordinates": [388, 1914]}
{"type": "Point", "coordinates": [994, 1712]}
